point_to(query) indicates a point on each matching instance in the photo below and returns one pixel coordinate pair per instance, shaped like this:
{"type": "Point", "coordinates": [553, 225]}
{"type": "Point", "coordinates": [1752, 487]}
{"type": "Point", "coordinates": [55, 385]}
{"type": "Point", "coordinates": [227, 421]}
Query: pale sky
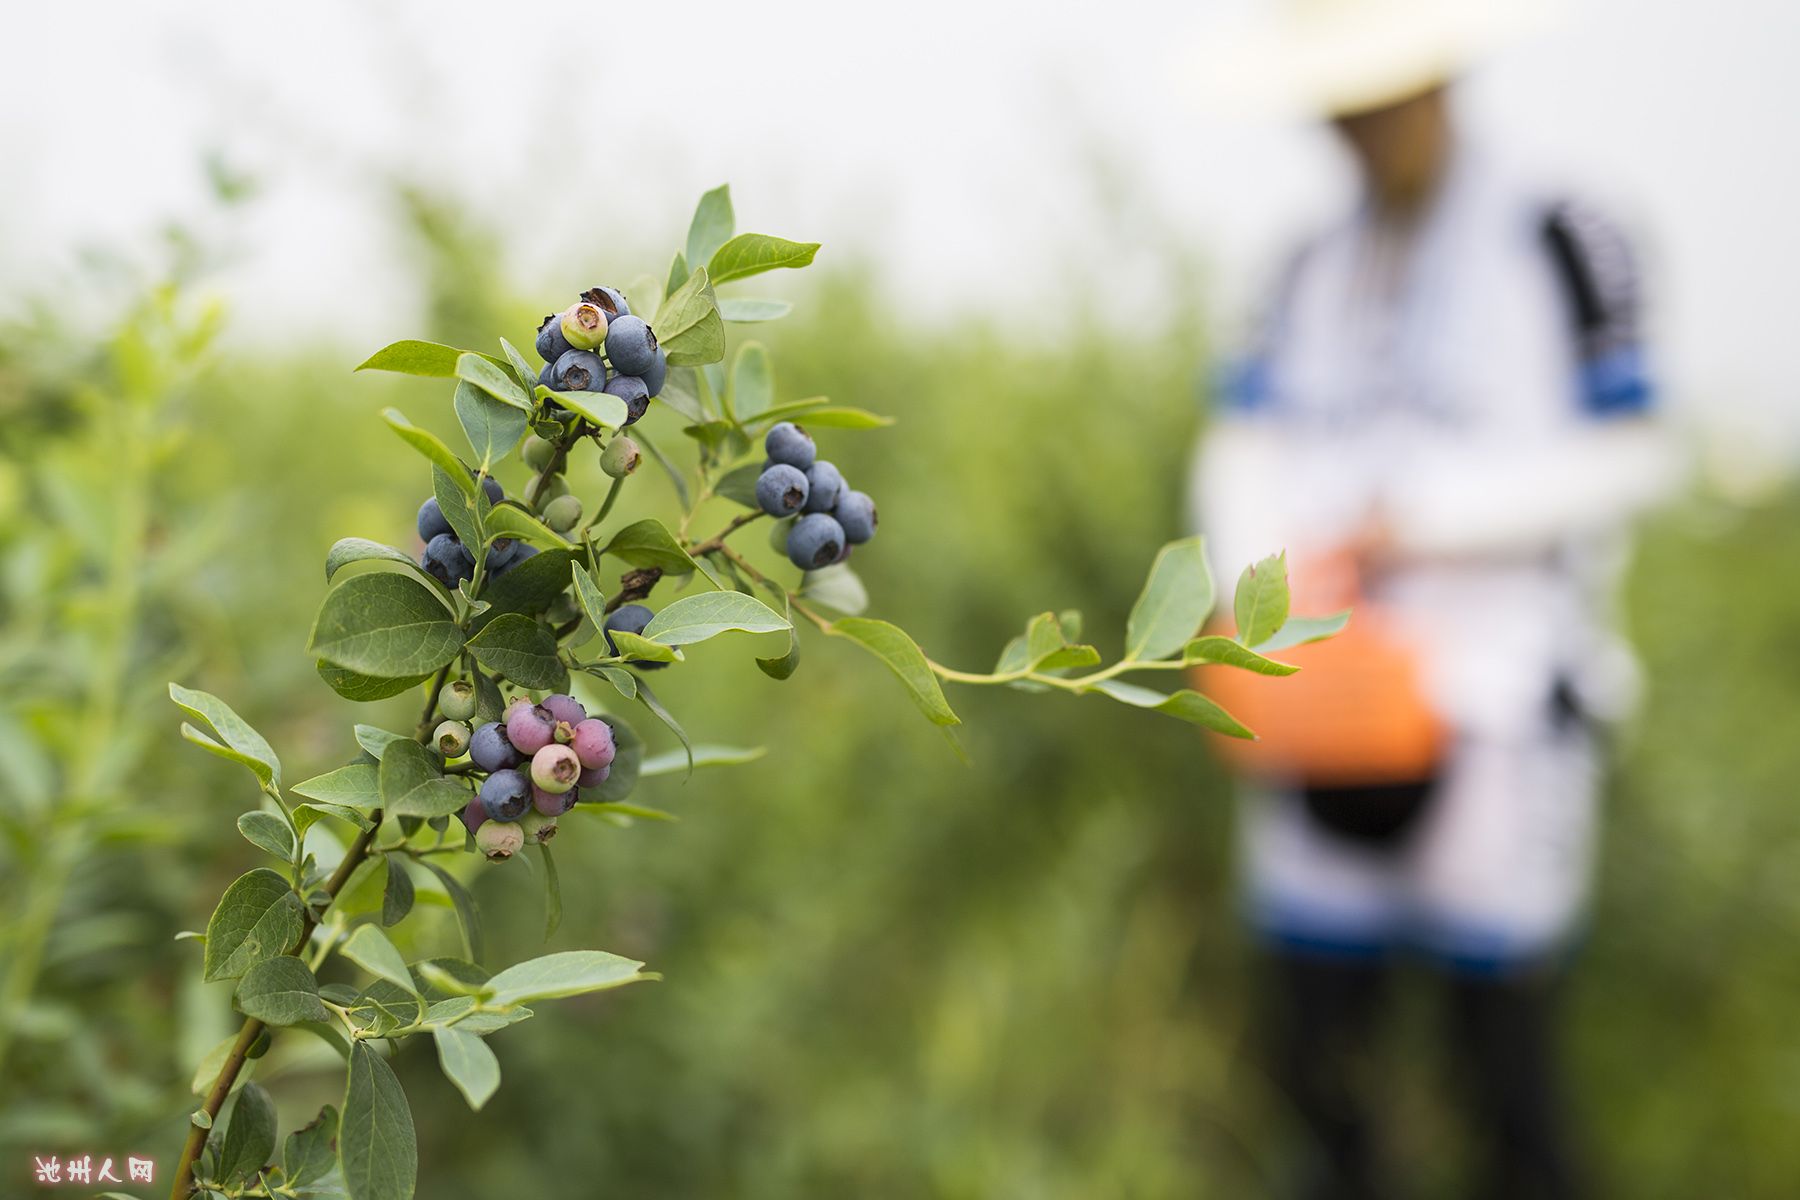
{"type": "Point", "coordinates": [953, 145]}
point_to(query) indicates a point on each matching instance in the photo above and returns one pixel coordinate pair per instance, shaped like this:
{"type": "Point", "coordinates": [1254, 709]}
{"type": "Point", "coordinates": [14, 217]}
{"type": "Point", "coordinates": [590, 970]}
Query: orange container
{"type": "Point", "coordinates": [1354, 714]}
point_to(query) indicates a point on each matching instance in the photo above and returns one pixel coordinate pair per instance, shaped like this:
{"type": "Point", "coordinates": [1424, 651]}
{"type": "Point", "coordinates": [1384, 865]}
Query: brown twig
{"type": "Point", "coordinates": [717, 541]}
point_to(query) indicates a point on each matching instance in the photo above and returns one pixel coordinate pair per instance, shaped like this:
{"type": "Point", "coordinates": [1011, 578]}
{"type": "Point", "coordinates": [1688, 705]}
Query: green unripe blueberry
{"type": "Point", "coordinates": [778, 533]}
{"type": "Point", "coordinates": [543, 489]}
{"type": "Point", "coordinates": [451, 738]}
{"type": "Point", "coordinates": [536, 827]}
{"type": "Point", "coordinates": [620, 458]}
{"type": "Point", "coordinates": [457, 700]}
{"type": "Point", "coordinates": [584, 325]}
{"type": "Point", "coordinates": [499, 840]}
{"type": "Point", "coordinates": [537, 452]}
{"type": "Point", "coordinates": [563, 513]}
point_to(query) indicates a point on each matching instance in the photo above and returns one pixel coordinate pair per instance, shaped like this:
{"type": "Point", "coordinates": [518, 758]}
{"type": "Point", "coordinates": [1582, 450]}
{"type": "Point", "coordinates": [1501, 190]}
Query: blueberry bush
{"type": "Point", "coordinates": [512, 606]}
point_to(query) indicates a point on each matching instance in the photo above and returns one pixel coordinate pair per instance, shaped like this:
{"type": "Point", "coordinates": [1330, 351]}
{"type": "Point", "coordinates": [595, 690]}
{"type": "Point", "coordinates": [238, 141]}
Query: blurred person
{"type": "Point", "coordinates": [1443, 419]}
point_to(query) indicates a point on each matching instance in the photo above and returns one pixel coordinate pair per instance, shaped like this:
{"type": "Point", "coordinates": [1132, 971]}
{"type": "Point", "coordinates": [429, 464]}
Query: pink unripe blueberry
{"type": "Point", "coordinates": [593, 743]}
{"type": "Point", "coordinates": [474, 814]}
{"type": "Point", "coordinates": [592, 776]}
{"type": "Point", "coordinates": [564, 708]}
{"type": "Point", "coordinates": [499, 839]}
{"type": "Point", "coordinates": [552, 804]}
{"type": "Point", "coordinates": [529, 727]}
{"type": "Point", "coordinates": [555, 768]}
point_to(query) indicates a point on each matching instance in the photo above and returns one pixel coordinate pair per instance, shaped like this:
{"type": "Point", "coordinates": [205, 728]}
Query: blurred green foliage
{"type": "Point", "coordinates": [888, 973]}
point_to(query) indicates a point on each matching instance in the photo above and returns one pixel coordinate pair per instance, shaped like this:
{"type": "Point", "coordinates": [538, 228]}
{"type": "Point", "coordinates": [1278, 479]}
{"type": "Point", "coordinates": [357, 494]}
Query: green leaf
{"type": "Point", "coordinates": [466, 512]}
{"type": "Point", "coordinates": [567, 973]}
{"type": "Point", "coordinates": [649, 700]}
{"type": "Point", "coordinates": [739, 484]}
{"type": "Point", "coordinates": [712, 226]}
{"type": "Point", "coordinates": [397, 898]}
{"type": "Point", "coordinates": [268, 832]}
{"type": "Point", "coordinates": [589, 595]}
{"type": "Point", "coordinates": [280, 991]}
{"type": "Point", "coordinates": [752, 390]}
{"type": "Point", "coordinates": [1215, 649]}
{"type": "Point", "coordinates": [783, 667]}
{"type": "Point", "coordinates": [530, 587]}
{"type": "Point", "coordinates": [744, 310]}
{"type": "Point", "coordinates": [345, 551]}
{"type": "Point", "coordinates": [704, 756]}
{"type": "Point", "coordinates": [837, 587]}
{"type": "Point", "coordinates": [362, 892]}
{"type": "Point", "coordinates": [623, 681]}
{"type": "Point", "coordinates": [624, 814]}
{"type": "Point", "coordinates": [648, 543]}
{"type": "Point", "coordinates": [375, 740]}
{"type": "Point", "coordinates": [1299, 631]}
{"type": "Point", "coordinates": [248, 746]}
{"type": "Point", "coordinates": [370, 949]}
{"type": "Point", "coordinates": [414, 358]}
{"type": "Point", "coordinates": [357, 785]}
{"type": "Point", "coordinates": [522, 369]}
{"type": "Point", "coordinates": [688, 325]}
{"type": "Point", "coordinates": [484, 373]}
{"type": "Point", "coordinates": [601, 408]}
{"type": "Point", "coordinates": [258, 917]}
{"type": "Point", "coordinates": [249, 1137]}
{"type": "Point", "coordinates": [428, 444]}
{"type": "Point", "coordinates": [553, 905]}
{"type": "Point", "coordinates": [386, 625]}
{"type": "Point", "coordinates": [310, 1154]}
{"type": "Point", "coordinates": [696, 618]}
{"type": "Point", "coordinates": [638, 648]}
{"type": "Point", "coordinates": [1261, 606]}
{"type": "Point", "coordinates": [840, 417]}
{"type": "Point", "coordinates": [493, 428]}
{"type": "Point", "coordinates": [1184, 705]}
{"type": "Point", "coordinates": [307, 815]}
{"type": "Point", "coordinates": [892, 646]}
{"type": "Point", "coordinates": [467, 1063]}
{"type": "Point", "coordinates": [510, 520]}
{"type": "Point", "coordinates": [1175, 601]}
{"type": "Point", "coordinates": [522, 650]}
{"type": "Point", "coordinates": [467, 914]}
{"type": "Point", "coordinates": [750, 254]}
{"type": "Point", "coordinates": [377, 1148]}
{"type": "Point", "coordinates": [678, 274]}
{"type": "Point", "coordinates": [413, 784]}
{"type": "Point", "coordinates": [210, 1066]}
{"type": "Point", "coordinates": [364, 689]}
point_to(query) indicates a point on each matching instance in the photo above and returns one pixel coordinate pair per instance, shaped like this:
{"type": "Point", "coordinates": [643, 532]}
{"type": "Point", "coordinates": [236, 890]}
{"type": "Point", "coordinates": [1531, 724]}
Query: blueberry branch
{"type": "Point", "coordinates": [717, 541]}
{"type": "Point", "coordinates": [431, 699]}
{"type": "Point", "coordinates": [253, 1028]}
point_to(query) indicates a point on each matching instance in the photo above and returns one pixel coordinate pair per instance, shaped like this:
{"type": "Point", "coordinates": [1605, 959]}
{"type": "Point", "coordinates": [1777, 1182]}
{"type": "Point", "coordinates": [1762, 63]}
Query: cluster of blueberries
{"type": "Point", "coordinates": [795, 481]}
{"type": "Point", "coordinates": [450, 562]}
{"type": "Point", "coordinates": [537, 757]}
{"type": "Point", "coordinates": [572, 343]}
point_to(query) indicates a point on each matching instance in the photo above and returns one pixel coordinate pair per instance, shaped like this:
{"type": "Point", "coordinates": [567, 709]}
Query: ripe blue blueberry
{"type": "Point", "coordinates": [446, 558]}
{"type": "Point", "coordinates": [506, 794]}
{"type": "Point", "coordinates": [490, 485]}
{"type": "Point", "coordinates": [632, 391]}
{"type": "Point", "coordinates": [658, 372]}
{"type": "Point", "coordinates": [547, 376]}
{"type": "Point", "coordinates": [815, 541]}
{"type": "Point", "coordinates": [490, 750]}
{"type": "Point", "coordinates": [824, 484]}
{"type": "Point", "coordinates": [579, 371]}
{"type": "Point", "coordinates": [856, 513]}
{"type": "Point", "coordinates": [610, 301]}
{"type": "Point", "coordinates": [781, 490]}
{"type": "Point", "coordinates": [631, 346]}
{"type": "Point", "coordinates": [788, 443]}
{"type": "Point", "coordinates": [631, 618]}
{"type": "Point", "coordinates": [431, 520]}
{"type": "Point", "coordinates": [551, 344]}
{"type": "Point", "coordinates": [502, 553]}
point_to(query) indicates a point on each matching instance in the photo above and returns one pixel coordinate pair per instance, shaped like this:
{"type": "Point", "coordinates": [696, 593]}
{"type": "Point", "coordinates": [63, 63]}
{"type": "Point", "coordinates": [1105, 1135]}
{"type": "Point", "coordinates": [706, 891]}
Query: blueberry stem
{"type": "Point", "coordinates": [183, 1185]}
{"type": "Point", "coordinates": [431, 699]}
{"type": "Point", "coordinates": [612, 494]}
{"type": "Point", "coordinates": [717, 540]}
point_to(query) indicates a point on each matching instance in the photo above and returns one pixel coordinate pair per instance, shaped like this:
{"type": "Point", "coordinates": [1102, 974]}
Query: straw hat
{"type": "Point", "coordinates": [1345, 56]}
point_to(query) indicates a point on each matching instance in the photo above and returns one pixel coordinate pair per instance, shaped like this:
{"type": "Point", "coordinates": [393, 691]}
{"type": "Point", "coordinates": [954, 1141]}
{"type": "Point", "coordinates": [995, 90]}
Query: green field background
{"type": "Point", "coordinates": [888, 972]}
